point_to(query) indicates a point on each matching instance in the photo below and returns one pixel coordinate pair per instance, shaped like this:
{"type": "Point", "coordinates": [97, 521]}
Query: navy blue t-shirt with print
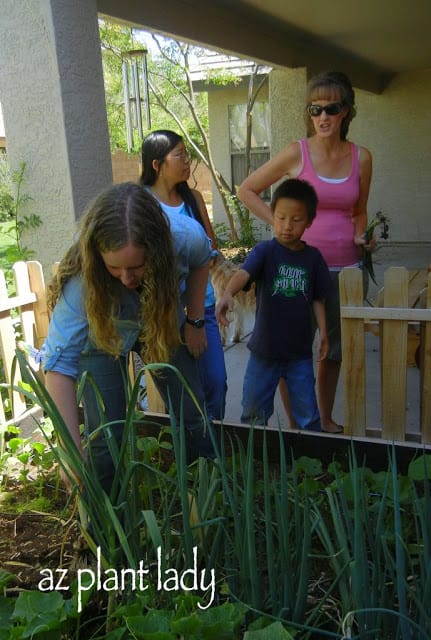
{"type": "Point", "coordinates": [287, 282]}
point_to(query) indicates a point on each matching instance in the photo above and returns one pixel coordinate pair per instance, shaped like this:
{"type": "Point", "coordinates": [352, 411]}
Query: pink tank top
{"type": "Point", "coordinates": [332, 230]}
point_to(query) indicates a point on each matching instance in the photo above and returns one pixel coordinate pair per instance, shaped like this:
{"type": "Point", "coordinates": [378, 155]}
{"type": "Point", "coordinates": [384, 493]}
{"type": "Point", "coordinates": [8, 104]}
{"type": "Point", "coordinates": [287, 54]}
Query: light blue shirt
{"type": "Point", "coordinates": [184, 211]}
{"type": "Point", "coordinates": [69, 335]}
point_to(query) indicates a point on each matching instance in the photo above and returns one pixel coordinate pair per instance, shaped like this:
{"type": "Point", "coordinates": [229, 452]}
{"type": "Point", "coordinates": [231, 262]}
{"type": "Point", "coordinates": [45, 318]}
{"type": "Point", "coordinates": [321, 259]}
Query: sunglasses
{"type": "Point", "coordinates": [332, 109]}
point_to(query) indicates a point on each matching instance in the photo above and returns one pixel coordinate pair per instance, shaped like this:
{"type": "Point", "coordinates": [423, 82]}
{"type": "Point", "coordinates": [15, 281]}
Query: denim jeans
{"type": "Point", "coordinates": [109, 377]}
{"type": "Point", "coordinates": [212, 368]}
{"type": "Point", "coordinates": [260, 384]}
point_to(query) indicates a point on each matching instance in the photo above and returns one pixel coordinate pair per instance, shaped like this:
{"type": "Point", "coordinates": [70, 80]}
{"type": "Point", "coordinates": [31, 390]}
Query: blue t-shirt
{"type": "Point", "coordinates": [69, 335]}
{"type": "Point", "coordinates": [287, 282]}
{"type": "Point", "coordinates": [183, 210]}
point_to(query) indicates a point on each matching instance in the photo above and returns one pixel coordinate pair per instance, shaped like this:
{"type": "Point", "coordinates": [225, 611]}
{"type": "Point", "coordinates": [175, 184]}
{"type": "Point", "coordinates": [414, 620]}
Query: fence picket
{"type": "Point", "coordinates": [391, 322]}
{"type": "Point", "coordinates": [353, 349]}
{"type": "Point", "coordinates": [41, 314]}
{"type": "Point", "coordinates": [394, 356]}
{"type": "Point", "coordinates": [8, 346]}
{"type": "Point", "coordinates": [26, 311]}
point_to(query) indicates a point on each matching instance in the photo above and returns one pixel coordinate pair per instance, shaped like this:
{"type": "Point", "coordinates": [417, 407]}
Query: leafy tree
{"type": "Point", "coordinates": [116, 40]}
{"type": "Point", "coordinates": [173, 103]}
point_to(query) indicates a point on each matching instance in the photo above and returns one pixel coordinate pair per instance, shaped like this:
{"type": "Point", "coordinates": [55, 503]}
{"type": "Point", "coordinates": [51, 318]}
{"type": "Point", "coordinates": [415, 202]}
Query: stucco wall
{"type": "Point", "coordinates": [395, 128]}
{"type": "Point", "coordinates": [51, 87]}
{"type": "Point", "coordinates": [287, 87]}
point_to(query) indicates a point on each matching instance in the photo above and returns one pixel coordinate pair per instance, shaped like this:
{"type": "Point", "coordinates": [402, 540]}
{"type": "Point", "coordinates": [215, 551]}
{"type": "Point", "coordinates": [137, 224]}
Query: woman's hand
{"type": "Point", "coordinates": [366, 244]}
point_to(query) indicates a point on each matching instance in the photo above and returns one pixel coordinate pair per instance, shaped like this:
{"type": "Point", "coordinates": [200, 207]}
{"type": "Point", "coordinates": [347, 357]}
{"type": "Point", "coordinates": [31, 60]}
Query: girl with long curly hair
{"type": "Point", "coordinates": [125, 285]}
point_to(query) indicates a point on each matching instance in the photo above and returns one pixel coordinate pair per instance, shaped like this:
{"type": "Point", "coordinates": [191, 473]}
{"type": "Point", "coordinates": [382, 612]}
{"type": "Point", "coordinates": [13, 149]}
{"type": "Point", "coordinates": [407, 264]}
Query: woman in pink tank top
{"type": "Point", "coordinates": [340, 172]}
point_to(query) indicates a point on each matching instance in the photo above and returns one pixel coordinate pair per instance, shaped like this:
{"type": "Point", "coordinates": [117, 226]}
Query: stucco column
{"type": "Point", "coordinates": [52, 95]}
{"type": "Point", "coordinates": [286, 97]}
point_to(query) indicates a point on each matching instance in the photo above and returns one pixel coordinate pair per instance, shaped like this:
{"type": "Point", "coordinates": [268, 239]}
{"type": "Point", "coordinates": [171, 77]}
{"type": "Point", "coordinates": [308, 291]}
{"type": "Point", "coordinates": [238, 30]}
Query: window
{"type": "Point", "coordinates": [259, 140]}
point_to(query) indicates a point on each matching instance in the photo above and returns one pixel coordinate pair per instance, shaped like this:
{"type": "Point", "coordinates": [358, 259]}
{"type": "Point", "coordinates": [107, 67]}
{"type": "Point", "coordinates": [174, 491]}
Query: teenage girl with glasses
{"type": "Point", "coordinates": [165, 171]}
{"type": "Point", "coordinates": [340, 171]}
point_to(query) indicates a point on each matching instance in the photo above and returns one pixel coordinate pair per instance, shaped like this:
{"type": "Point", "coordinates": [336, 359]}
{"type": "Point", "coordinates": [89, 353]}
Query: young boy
{"type": "Point", "coordinates": [292, 280]}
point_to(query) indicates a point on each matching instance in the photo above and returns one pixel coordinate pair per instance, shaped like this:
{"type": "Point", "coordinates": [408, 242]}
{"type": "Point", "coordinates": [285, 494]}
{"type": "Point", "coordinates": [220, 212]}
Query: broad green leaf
{"type": "Point", "coordinates": [420, 468]}
{"type": "Point", "coordinates": [274, 631]}
{"type": "Point", "coordinates": [34, 604]}
{"type": "Point", "coordinates": [155, 625]}
{"type": "Point", "coordinates": [6, 609]}
{"type": "Point", "coordinates": [43, 614]}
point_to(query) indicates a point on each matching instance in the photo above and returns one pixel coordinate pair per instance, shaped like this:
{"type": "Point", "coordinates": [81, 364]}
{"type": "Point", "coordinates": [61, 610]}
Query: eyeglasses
{"type": "Point", "coordinates": [332, 109]}
{"type": "Point", "coordinates": [182, 155]}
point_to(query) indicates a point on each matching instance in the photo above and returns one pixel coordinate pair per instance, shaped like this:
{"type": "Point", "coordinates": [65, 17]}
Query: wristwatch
{"type": "Point", "coordinates": [198, 323]}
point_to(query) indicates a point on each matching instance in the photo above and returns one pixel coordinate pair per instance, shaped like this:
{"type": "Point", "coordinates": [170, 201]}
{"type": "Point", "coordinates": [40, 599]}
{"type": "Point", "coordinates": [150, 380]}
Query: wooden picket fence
{"type": "Point", "coordinates": [28, 309]}
{"type": "Point", "coordinates": [392, 321]}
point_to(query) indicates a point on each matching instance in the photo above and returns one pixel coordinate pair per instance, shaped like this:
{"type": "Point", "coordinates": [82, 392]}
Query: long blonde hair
{"type": "Point", "coordinates": [125, 214]}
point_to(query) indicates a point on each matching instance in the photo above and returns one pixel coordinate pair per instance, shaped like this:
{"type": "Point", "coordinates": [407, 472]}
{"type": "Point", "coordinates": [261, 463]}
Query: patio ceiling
{"type": "Point", "coordinates": [370, 40]}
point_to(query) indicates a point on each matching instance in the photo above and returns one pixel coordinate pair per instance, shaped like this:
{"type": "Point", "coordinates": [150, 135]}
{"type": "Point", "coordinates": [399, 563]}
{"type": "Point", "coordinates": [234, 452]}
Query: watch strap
{"type": "Point", "coordinates": [198, 323]}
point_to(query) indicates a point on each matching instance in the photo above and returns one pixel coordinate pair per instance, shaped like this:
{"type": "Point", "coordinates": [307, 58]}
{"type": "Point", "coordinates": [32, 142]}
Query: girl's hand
{"type": "Point", "coordinates": [195, 339]}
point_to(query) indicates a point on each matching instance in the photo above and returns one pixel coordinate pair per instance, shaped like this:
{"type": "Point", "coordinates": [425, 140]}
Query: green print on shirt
{"type": "Point", "coordinates": [290, 281]}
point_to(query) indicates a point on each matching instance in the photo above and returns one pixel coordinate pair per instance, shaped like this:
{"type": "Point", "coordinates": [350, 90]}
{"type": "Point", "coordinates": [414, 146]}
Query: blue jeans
{"type": "Point", "coordinates": [212, 369]}
{"type": "Point", "coordinates": [260, 384]}
{"type": "Point", "coordinates": [110, 374]}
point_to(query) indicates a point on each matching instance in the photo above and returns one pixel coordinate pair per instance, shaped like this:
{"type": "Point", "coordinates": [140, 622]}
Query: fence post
{"type": "Point", "coordinates": [394, 356]}
{"type": "Point", "coordinates": [26, 311]}
{"type": "Point", "coordinates": [41, 314]}
{"type": "Point", "coordinates": [353, 350]}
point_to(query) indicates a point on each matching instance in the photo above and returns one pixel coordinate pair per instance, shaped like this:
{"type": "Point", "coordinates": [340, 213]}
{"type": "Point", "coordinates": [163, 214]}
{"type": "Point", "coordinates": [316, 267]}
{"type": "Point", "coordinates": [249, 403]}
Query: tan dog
{"type": "Point", "coordinates": [221, 271]}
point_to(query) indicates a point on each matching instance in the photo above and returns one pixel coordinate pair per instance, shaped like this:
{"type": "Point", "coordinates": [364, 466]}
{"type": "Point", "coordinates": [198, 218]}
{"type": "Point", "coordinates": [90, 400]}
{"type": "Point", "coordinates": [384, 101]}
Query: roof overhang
{"type": "Point", "coordinates": [371, 42]}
